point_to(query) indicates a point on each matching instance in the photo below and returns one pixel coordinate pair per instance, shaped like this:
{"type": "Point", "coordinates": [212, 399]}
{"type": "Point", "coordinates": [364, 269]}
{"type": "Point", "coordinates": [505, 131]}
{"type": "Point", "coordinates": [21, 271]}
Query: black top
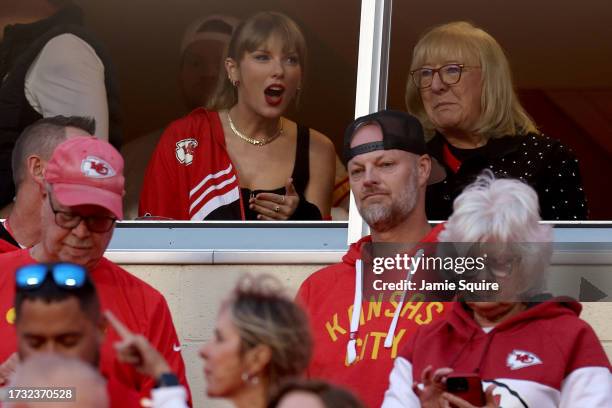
{"type": "Point", "coordinates": [544, 163]}
{"type": "Point", "coordinates": [300, 176]}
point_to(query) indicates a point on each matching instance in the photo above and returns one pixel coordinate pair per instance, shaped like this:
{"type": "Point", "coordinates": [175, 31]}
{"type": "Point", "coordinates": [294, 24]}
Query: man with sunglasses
{"type": "Point", "coordinates": [57, 311]}
{"type": "Point", "coordinates": [82, 199]}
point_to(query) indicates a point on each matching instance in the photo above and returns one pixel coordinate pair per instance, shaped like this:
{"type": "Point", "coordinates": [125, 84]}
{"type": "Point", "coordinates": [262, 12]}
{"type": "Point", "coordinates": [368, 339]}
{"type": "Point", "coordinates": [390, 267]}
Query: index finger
{"type": "Point", "coordinates": [119, 327]}
{"type": "Point", "coordinates": [275, 198]}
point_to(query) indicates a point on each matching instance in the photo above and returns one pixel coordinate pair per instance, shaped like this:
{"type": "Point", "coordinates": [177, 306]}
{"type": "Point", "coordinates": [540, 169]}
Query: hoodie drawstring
{"type": "Point", "coordinates": [400, 305]}
{"type": "Point", "coordinates": [351, 348]}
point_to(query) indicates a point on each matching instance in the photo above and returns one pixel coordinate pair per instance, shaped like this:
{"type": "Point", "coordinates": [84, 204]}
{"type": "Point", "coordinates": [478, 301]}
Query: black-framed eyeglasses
{"type": "Point", "coordinates": [65, 275]}
{"type": "Point", "coordinates": [449, 74]}
{"type": "Point", "coordinates": [69, 220]}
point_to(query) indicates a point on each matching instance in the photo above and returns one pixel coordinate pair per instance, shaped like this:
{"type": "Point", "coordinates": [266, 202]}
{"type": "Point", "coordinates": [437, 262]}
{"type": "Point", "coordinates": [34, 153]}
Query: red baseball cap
{"type": "Point", "coordinates": [87, 170]}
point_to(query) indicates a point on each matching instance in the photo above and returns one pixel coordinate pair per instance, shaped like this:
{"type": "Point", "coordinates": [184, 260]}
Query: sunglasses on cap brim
{"type": "Point", "coordinates": [65, 275]}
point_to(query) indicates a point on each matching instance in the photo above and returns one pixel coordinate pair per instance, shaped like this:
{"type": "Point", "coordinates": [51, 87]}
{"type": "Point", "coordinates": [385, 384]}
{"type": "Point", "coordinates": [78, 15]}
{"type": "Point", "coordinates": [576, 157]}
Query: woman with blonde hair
{"type": "Point", "coordinates": [261, 339]}
{"type": "Point", "coordinates": [461, 89]}
{"type": "Point", "coordinates": [240, 158]}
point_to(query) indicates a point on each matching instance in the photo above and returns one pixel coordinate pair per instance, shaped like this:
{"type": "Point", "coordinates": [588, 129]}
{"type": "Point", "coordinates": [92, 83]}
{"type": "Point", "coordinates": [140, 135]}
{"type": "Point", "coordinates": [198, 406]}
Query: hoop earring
{"type": "Point", "coordinates": [236, 83]}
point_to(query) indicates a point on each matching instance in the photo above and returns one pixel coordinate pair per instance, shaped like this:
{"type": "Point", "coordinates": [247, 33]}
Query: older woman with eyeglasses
{"type": "Point", "coordinates": [515, 347]}
{"type": "Point", "coordinates": [461, 89]}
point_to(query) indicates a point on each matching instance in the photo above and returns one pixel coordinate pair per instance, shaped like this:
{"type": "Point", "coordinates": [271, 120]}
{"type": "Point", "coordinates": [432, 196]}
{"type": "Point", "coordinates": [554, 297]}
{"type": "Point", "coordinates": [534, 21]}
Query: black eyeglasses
{"type": "Point", "coordinates": [69, 220]}
{"type": "Point", "coordinates": [449, 74]}
{"type": "Point", "coordinates": [65, 275]}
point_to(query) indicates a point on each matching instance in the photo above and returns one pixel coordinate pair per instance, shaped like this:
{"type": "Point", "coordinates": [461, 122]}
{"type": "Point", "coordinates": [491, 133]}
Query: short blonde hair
{"type": "Point", "coordinates": [501, 111]}
{"type": "Point", "coordinates": [249, 36]}
{"type": "Point", "coordinates": [264, 314]}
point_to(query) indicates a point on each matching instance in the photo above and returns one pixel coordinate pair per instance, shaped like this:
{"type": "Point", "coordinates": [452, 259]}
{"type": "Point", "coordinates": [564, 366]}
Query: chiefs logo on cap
{"type": "Point", "coordinates": [185, 150]}
{"type": "Point", "coordinates": [96, 167]}
{"type": "Point", "coordinates": [521, 359]}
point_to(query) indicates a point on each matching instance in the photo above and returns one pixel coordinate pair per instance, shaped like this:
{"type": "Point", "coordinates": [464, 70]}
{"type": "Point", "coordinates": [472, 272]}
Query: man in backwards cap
{"type": "Point", "coordinates": [355, 342]}
{"type": "Point", "coordinates": [82, 193]}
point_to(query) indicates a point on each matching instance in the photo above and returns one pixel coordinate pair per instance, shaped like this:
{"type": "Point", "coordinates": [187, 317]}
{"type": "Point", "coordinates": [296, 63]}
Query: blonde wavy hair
{"type": "Point", "coordinates": [248, 37]}
{"type": "Point", "coordinates": [264, 314]}
{"type": "Point", "coordinates": [501, 111]}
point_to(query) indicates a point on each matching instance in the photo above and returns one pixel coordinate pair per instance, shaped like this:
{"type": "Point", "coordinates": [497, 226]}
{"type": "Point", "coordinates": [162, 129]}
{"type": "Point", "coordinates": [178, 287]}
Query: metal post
{"type": "Point", "coordinates": [372, 75]}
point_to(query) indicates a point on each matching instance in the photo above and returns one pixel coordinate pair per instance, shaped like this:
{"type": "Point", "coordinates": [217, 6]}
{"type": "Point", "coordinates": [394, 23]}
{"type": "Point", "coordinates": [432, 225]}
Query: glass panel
{"type": "Point", "coordinates": [147, 54]}
{"type": "Point", "coordinates": [560, 57]}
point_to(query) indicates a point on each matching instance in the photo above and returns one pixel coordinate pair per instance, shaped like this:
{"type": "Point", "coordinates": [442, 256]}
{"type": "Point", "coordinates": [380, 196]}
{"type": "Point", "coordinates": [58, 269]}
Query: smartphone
{"type": "Point", "coordinates": [466, 386]}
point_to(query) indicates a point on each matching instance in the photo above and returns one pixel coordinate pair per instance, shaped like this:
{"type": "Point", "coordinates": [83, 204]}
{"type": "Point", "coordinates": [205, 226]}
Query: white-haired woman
{"type": "Point", "coordinates": [529, 351]}
{"type": "Point", "coordinates": [461, 89]}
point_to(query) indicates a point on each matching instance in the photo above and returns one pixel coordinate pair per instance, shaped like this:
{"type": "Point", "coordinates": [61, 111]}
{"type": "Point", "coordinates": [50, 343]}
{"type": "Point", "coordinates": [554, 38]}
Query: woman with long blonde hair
{"type": "Point", "coordinates": [240, 158]}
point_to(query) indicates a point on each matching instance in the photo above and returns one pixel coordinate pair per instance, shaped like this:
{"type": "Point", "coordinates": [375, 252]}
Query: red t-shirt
{"type": "Point", "coordinates": [139, 306]}
{"type": "Point", "coordinates": [7, 247]}
{"type": "Point", "coordinates": [328, 296]}
{"type": "Point", "coordinates": [120, 396]}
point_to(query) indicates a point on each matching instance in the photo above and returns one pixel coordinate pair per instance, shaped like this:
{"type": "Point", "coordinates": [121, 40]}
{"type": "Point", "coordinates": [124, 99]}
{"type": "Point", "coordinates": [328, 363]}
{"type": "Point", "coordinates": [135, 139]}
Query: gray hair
{"type": "Point", "coordinates": [42, 137]}
{"type": "Point", "coordinates": [503, 211]}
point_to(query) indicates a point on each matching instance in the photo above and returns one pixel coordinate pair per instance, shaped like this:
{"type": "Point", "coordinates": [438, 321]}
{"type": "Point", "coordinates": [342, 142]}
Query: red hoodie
{"type": "Point", "coordinates": [138, 305]}
{"type": "Point", "coordinates": [328, 297]}
{"type": "Point", "coordinates": [545, 356]}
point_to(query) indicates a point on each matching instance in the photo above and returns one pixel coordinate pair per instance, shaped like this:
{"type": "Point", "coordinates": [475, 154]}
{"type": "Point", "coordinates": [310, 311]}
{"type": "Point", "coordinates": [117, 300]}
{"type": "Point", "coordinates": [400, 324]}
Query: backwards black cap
{"type": "Point", "coordinates": [400, 131]}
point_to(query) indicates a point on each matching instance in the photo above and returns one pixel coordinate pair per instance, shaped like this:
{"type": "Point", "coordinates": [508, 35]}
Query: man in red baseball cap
{"type": "Point", "coordinates": [82, 199]}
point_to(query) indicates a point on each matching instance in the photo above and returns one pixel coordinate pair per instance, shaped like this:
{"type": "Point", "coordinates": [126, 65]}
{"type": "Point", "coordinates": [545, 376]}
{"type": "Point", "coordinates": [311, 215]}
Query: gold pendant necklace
{"type": "Point", "coordinates": [250, 140]}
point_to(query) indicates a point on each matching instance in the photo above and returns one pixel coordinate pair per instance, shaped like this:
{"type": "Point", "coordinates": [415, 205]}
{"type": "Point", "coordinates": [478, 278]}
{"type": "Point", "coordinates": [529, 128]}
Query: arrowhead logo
{"type": "Point", "coordinates": [185, 150]}
{"type": "Point", "coordinates": [521, 359]}
{"type": "Point", "coordinates": [96, 167]}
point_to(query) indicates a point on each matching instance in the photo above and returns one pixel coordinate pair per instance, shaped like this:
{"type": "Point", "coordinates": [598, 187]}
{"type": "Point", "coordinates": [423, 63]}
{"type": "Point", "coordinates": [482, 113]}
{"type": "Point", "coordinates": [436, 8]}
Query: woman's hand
{"type": "Point", "coordinates": [276, 207]}
{"type": "Point", "coordinates": [432, 387]}
{"type": "Point", "coordinates": [461, 403]}
{"type": "Point", "coordinates": [136, 350]}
